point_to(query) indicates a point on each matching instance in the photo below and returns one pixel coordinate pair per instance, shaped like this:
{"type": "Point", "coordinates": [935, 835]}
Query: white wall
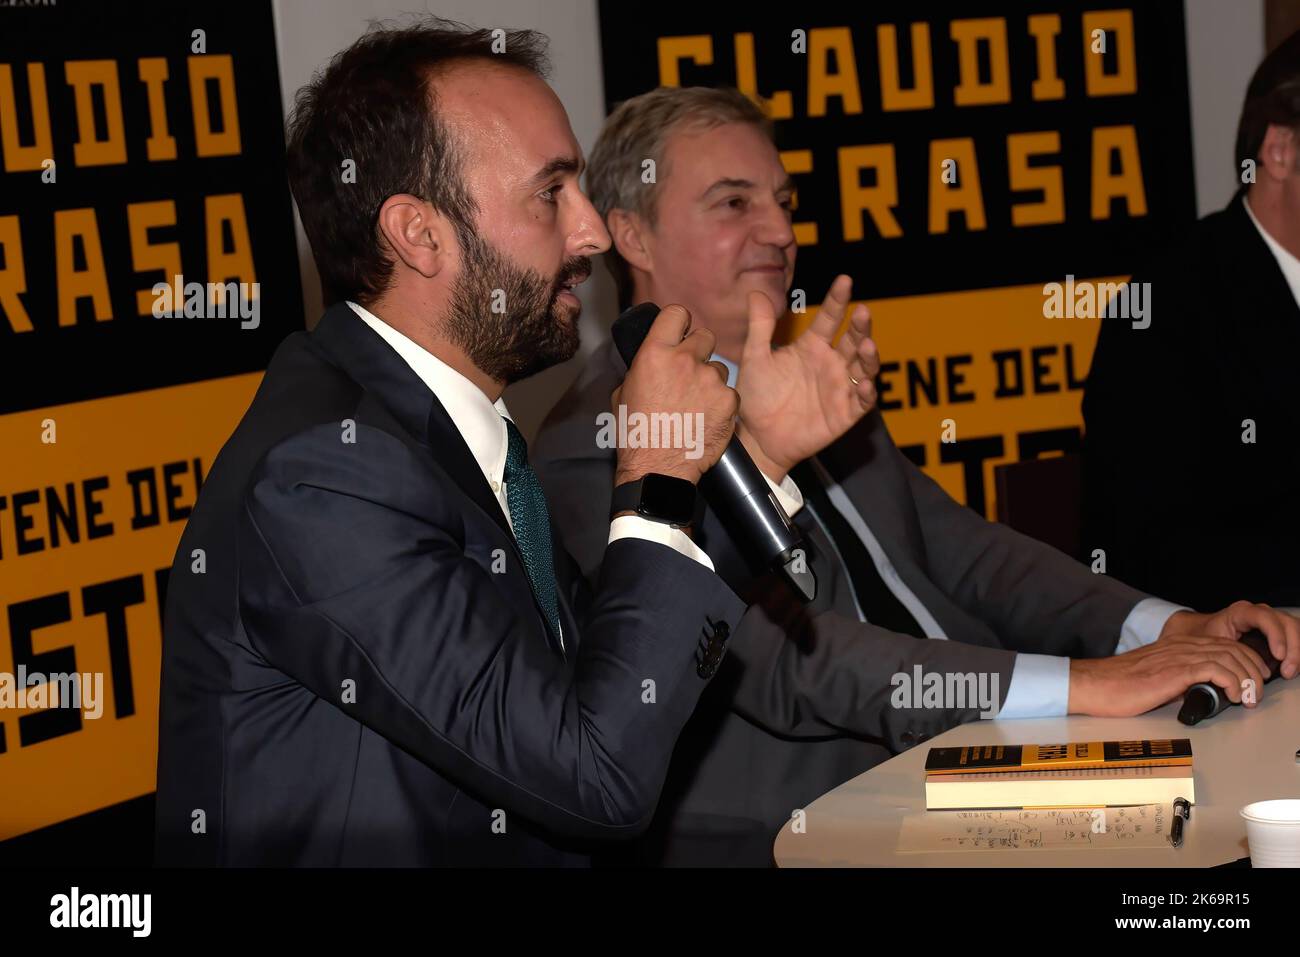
{"type": "Point", "coordinates": [1225, 40]}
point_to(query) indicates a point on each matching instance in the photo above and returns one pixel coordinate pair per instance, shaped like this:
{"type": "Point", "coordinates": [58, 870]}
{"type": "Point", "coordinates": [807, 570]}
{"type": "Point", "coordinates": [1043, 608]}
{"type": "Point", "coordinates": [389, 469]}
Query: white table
{"type": "Point", "coordinates": [1240, 756]}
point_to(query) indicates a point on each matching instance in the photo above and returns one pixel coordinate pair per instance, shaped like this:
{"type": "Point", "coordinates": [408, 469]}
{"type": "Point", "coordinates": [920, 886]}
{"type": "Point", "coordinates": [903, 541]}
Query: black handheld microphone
{"type": "Point", "coordinates": [734, 487]}
{"type": "Point", "coordinates": [1205, 700]}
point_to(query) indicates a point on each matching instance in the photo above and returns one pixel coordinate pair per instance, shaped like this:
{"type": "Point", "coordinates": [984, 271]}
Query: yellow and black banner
{"type": "Point", "coordinates": [955, 160]}
{"type": "Point", "coordinates": [147, 272]}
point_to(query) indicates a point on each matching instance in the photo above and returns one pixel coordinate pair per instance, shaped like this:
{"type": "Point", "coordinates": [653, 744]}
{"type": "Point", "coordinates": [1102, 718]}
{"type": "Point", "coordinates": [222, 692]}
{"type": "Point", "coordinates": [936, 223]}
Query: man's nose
{"type": "Point", "coordinates": [589, 236]}
{"type": "Point", "coordinates": [774, 227]}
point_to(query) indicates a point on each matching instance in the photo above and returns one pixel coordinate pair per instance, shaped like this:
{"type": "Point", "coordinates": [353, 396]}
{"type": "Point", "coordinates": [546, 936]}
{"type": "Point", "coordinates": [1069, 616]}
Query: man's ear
{"type": "Point", "coordinates": [418, 234]}
{"type": "Point", "coordinates": [629, 233]}
{"type": "Point", "coordinates": [1279, 154]}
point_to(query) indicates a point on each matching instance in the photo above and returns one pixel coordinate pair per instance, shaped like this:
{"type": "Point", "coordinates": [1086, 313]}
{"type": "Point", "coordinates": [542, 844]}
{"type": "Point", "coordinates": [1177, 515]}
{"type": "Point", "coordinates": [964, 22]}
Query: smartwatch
{"type": "Point", "coordinates": [659, 498]}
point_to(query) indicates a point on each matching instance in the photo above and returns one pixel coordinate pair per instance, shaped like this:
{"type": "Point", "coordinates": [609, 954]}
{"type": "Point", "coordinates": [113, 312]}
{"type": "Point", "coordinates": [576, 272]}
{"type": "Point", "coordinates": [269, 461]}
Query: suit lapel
{"type": "Point", "coordinates": [354, 347]}
{"type": "Point", "coordinates": [371, 362]}
{"type": "Point", "coordinates": [567, 583]}
{"type": "Point", "coordinates": [862, 463]}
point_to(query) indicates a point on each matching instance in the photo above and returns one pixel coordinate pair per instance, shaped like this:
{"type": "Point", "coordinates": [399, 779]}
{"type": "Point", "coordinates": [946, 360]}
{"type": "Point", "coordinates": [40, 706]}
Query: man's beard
{"type": "Point", "coordinates": [508, 319]}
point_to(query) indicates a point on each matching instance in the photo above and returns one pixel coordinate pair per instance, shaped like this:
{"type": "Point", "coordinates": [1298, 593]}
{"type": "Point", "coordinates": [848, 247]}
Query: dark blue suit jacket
{"type": "Point", "coordinates": [350, 675]}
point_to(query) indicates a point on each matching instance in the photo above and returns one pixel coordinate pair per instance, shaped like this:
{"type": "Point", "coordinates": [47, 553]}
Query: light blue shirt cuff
{"type": "Point", "coordinates": [1040, 688]}
{"type": "Point", "coordinates": [787, 493]}
{"type": "Point", "coordinates": [1144, 623]}
{"type": "Point", "coordinates": [733, 370]}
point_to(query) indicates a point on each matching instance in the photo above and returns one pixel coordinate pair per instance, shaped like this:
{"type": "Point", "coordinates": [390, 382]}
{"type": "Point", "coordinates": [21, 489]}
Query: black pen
{"type": "Point", "coordinates": [1182, 812]}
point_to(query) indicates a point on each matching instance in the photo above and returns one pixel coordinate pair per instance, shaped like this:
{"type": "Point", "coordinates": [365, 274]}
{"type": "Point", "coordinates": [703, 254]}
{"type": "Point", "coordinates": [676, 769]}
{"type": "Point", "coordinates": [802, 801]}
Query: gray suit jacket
{"type": "Point", "coordinates": [802, 702]}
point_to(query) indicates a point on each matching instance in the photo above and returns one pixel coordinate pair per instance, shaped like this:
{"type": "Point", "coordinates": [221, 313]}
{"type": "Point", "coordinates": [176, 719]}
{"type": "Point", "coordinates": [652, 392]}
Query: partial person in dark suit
{"type": "Point", "coordinates": [373, 654]}
{"type": "Point", "coordinates": [1192, 440]}
{"type": "Point", "coordinates": [909, 579]}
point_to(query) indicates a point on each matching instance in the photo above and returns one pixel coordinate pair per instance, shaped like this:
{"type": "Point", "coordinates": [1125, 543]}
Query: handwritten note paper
{"type": "Point", "coordinates": [1144, 825]}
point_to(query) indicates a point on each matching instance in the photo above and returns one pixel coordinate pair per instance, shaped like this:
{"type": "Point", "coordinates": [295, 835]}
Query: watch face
{"type": "Point", "coordinates": [668, 498]}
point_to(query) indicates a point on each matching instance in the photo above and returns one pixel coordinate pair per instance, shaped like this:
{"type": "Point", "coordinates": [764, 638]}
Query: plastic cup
{"type": "Point", "coordinates": [1273, 832]}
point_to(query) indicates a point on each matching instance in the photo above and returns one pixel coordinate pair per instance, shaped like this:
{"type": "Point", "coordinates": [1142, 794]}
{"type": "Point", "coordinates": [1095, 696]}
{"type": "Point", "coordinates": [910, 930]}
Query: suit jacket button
{"type": "Point", "coordinates": [907, 737]}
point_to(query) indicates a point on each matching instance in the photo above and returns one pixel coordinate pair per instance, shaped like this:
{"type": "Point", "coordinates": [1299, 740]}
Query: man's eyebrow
{"type": "Point", "coordinates": [559, 164]}
{"type": "Point", "coordinates": [727, 184]}
{"type": "Point", "coordinates": [787, 185]}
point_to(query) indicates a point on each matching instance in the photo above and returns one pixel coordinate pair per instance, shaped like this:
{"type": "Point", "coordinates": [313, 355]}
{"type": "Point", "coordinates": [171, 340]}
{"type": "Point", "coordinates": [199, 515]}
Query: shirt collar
{"type": "Point", "coordinates": [479, 420]}
{"type": "Point", "coordinates": [1288, 263]}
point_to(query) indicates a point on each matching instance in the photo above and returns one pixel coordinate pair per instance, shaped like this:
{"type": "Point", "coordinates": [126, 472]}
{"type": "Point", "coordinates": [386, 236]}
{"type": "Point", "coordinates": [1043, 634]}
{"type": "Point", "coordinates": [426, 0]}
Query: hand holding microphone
{"type": "Point", "coordinates": [1208, 660]}
{"type": "Point", "coordinates": [734, 486]}
{"type": "Point", "coordinates": [671, 376]}
{"type": "Point", "coordinates": [1205, 699]}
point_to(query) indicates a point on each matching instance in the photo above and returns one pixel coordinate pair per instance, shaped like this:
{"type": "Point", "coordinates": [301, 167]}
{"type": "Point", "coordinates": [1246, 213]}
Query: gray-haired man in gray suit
{"type": "Point", "coordinates": [927, 616]}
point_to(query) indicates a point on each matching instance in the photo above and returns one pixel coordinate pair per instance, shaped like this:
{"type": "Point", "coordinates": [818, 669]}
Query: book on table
{"type": "Point", "coordinates": [1077, 774]}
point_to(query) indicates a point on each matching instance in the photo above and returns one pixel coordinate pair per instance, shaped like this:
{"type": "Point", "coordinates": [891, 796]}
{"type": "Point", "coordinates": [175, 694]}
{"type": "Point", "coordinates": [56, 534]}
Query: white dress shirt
{"type": "Point", "coordinates": [1040, 684]}
{"type": "Point", "coordinates": [481, 424]}
{"type": "Point", "coordinates": [1288, 263]}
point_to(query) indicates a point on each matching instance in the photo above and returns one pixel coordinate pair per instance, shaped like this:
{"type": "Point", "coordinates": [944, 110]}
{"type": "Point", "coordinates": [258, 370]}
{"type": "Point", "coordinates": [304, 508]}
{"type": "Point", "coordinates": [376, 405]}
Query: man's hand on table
{"type": "Point", "coordinates": [1193, 647]}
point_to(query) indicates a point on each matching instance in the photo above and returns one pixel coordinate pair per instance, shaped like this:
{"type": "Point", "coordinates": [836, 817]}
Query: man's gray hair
{"type": "Point", "coordinates": [638, 130]}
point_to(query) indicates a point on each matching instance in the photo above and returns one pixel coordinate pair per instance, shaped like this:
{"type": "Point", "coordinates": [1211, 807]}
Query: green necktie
{"type": "Point", "coordinates": [532, 524]}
